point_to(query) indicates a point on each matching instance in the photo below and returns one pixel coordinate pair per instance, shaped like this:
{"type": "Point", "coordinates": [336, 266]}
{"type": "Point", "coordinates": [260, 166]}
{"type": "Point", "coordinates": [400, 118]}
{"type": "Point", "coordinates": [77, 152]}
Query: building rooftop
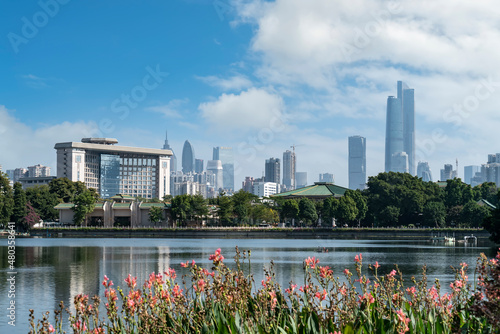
{"type": "Point", "coordinates": [104, 145]}
{"type": "Point", "coordinates": [319, 190]}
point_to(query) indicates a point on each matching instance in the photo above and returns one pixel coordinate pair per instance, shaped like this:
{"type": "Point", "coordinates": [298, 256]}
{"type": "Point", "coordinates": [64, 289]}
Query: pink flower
{"type": "Point", "coordinates": [411, 291]}
{"type": "Point", "coordinates": [321, 296]}
{"type": "Point", "coordinates": [200, 285]}
{"type": "Point", "coordinates": [51, 329]}
{"type": "Point", "coordinates": [311, 262]}
{"type": "Point", "coordinates": [376, 265]}
{"type": "Point", "coordinates": [184, 264]}
{"type": "Point", "coordinates": [131, 281]}
{"type": "Point", "coordinates": [358, 258]}
{"type": "Point", "coordinates": [79, 325]}
{"type": "Point", "coordinates": [217, 257]}
{"type": "Point", "coordinates": [325, 271]}
{"type": "Point", "coordinates": [392, 273]}
{"type": "Point", "coordinates": [347, 272]}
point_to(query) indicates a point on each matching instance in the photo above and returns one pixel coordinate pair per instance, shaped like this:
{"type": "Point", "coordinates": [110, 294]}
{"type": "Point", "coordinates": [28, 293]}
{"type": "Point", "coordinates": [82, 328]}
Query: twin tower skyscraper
{"type": "Point", "coordinates": [400, 131]}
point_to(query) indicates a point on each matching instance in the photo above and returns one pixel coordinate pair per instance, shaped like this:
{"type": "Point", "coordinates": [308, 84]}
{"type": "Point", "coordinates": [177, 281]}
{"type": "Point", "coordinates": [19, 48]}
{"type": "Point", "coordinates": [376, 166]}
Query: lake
{"type": "Point", "coordinates": [51, 270]}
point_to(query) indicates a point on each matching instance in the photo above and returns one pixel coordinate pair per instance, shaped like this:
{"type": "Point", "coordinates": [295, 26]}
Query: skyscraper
{"type": "Point", "coordinates": [198, 165]}
{"type": "Point", "coordinates": [301, 179]}
{"type": "Point", "coordinates": [272, 170]}
{"type": "Point", "coordinates": [357, 162]}
{"type": "Point", "coordinates": [187, 157]}
{"type": "Point", "coordinates": [470, 172]}
{"type": "Point", "coordinates": [400, 130]}
{"type": "Point", "coordinates": [215, 166]}
{"type": "Point", "coordinates": [424, 171]}
{"type": "Point", "coordinates": [448, 173]}
{"type": "Point", "coordinates": [173, 158]}
{"type": "Point", "coordinates": [289, 163]}
{"type": "Point", "coordinates": [225, 155]}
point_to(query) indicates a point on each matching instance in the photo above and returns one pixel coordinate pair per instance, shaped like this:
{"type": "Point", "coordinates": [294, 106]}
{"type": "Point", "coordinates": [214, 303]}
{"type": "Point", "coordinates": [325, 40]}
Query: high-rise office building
{"type": "Point", "coordinates": [289, 164]}
{"type": "Point", "coordinates": [187, 157]}
{"type": "Point", "coordinates": [400, 130]}
{"type": "Point", "coordinates": [112, 169]}
{"type": "Point", "coordinates": [198, 166]}
{"type": "Point", "coordinates": [226, 156]}
{"type": "Point", "coordinates": [272, 170]}
{"type": "Point", "coordinates": [448, 173]}
{"type": "Point", "coordinates": [215, 166]}
{"type": "Point", "coordinates": [173, 159]}
{"type": "Point", "coordinates": [470, 172]}
{"type": "Point", "coordinates": [327, 177]}
{"type": "Point", "coordinates": [357, 162]}
{"type": "Point", "coordinates": [301, 179]}
{"type": "Point", "coordinates": [424, 171]}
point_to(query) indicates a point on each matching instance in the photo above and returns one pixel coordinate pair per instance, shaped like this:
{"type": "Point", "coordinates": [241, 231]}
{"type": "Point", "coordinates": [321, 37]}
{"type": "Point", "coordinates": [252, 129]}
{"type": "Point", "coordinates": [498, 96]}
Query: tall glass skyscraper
{"type": "Point", "coordinates": [187, 157]}
{"type": "Point", "coordinates": [289, 163]}
{"type": "Point", "coordinates": [400, 130]}
{"type": "Point", "coordinates": [357, 162]}
{"type": "Point", "coordinates": [272, 171]}
{"type": "Point", "coordinates": [225, 155]}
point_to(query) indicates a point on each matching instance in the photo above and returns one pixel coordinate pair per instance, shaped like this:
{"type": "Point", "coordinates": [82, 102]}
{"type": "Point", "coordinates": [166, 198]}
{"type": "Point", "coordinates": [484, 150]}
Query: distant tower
{"type": "Point", "coordinates": [289, 164]}
{"type": "Point", "coordinates": [357, 162]}
{"type": "Point", "coordinates": [301, 179]}
{"type": "Point", "coordinates": [424, 171]}
{"type": "Point", "coordinates": [187, 157]}
{"type": "Point", "coordinates": [198, 166]}
{"type": "Point", "coordinates": [272, 170]}
{"type": "Point", "coordinates": [226, 156]}
{"type": "Point", "coordinates": [400, 130]}
{"type": "Point", "coordinates": [173, 158]}
{"type": "Point", "coordinates": [215, 167]}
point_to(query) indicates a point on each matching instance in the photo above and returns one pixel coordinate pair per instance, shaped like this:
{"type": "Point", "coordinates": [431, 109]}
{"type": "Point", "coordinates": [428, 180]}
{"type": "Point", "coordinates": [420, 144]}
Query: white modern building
{"type": "Point", "coordinates": [113, 169]}
{"type": "Point", "coordinates": [265, 189]}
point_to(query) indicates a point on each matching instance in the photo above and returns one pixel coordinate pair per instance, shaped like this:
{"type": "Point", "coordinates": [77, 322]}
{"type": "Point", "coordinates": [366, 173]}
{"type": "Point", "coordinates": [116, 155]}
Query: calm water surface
{"type": "Point", "coordinates": [51, 270]}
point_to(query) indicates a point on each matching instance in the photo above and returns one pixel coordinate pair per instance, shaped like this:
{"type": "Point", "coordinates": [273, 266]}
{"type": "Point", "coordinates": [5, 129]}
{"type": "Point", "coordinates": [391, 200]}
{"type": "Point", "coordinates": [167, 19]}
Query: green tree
{"type": "Point", "coordinates": [454, 215]}
{"type": "Point", "coordinates": [474, 214]}
{"type": "Point", "coordinates": [199, 206]}
{"type": "Point", "coordinates": [155, 214]}
{"type": "Point", "coordinates": [84, 204]}
{"type": "Point", "coordinates": [290, 209]}
{"type": "Point", "coordinates": [225, 209]}
{"type": "Point", "coordinates": [346, 210]}
{"type": "Point", "coordinates": [492, 223]}
{"type": "Point", "coordinates": [434, 214]}
{"type": "Point", "coordinates": [457, 193]}
{"type": "Point", "coordinates": [360, 201]}
{"type": "Point", "coordinates": [19, 210]}
{"type": "Point", "coordinates": [389, 216]}
{"type": "Point", "coordinates": [44, 202]}
{"type": "Point", "coordinates": [329, 210]}
{"type": "Point", "coordinates": [6, 199]}
{"type": "Point", "coordinates": [242, 204]}
{"type": "Point", "coordinates": [307, 211]}
{"type": "Point", "coordinates": [487, 191]}
{"type": "Point", "coordinates": [181, 208]}
{"type": "Point", "coordinates": [65, 189]}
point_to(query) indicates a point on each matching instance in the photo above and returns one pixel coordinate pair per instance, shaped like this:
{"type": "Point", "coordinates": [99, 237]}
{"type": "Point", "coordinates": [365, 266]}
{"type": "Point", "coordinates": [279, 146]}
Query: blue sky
{"type": "Point", "coordinates": [259, 76]}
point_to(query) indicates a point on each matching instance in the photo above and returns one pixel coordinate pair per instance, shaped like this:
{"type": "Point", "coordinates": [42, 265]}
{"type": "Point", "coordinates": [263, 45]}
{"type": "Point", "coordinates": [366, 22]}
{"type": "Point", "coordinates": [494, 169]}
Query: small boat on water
{"type": "Point", "coordinates": [449, 239]}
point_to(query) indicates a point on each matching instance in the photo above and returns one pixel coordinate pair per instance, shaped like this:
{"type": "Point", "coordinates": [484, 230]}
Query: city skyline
{"type": "Point", "coordinates": [252, 89]}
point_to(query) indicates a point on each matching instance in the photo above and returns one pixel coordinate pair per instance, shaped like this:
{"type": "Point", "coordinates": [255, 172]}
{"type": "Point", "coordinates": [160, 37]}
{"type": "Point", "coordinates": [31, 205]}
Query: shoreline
{"type": "Point", "coordinates": [260, 233]}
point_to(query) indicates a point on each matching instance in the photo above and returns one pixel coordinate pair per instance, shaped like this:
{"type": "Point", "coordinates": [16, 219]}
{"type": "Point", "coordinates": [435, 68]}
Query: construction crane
{"type": "Point", "coordinates": [294, 146]}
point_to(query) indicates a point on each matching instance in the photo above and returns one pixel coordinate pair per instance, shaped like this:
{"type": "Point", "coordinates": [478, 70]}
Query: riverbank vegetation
{"type": "Point", "coordinates": [390, 200]}
{"type": "Point", "coordinates": [371, 299]}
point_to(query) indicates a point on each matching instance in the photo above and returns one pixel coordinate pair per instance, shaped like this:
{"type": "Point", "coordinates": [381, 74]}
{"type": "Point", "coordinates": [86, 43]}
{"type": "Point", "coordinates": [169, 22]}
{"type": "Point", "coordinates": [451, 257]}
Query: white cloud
{"type": "Point", "coordinates": [236, 82]}
{"type": "Point", "coordinates": [171, 109]}
{"type": "Point", "coordinates": [22, 146]}
{"type": "Point", "coordinates": [251, 109]}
